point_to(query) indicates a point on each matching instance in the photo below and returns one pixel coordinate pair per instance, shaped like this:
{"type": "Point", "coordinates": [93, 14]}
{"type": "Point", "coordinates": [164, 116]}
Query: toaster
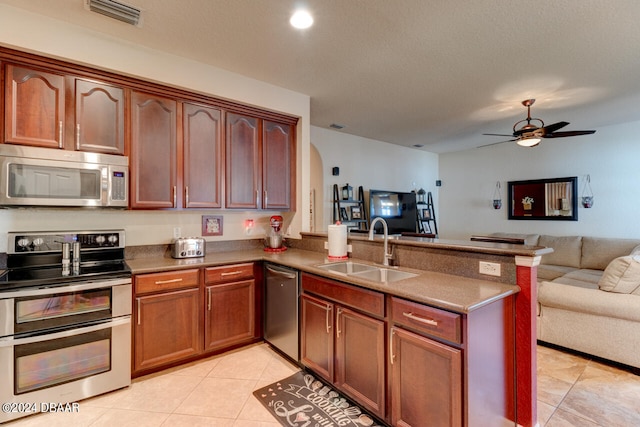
{"type": "Point", "coordinates": [188, 247]}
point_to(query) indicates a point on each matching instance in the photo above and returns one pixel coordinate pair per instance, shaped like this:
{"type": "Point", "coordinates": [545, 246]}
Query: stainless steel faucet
{"type": "Point", "coordinates": [387, 255]}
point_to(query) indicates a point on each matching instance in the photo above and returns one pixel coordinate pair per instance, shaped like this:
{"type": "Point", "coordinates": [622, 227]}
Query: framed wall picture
{"type": "Point", "coordinates": [546, 199]}
{"type": "Point", "coordinates": [355, 212]}
{"type": "Point", "coordinates": [426, 214]}
{"type": "Point", "coordinates": [212, 225]}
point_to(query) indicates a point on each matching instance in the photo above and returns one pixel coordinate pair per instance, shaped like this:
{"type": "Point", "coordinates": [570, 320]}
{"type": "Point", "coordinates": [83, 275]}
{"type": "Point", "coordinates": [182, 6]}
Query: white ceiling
{"type": "Point", "coordinates": [434, 72]}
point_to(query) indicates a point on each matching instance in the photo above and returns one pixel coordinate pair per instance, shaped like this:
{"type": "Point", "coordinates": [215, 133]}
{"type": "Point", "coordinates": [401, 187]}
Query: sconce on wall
{"type": "Point", "coordinates": [497, 197]}
{"type": "Point", "coordinates": [587, 193]}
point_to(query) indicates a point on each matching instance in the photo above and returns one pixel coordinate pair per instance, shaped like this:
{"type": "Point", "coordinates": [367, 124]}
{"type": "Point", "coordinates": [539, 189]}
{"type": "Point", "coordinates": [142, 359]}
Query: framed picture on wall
{"type": "Point", "coordinates": [546, 199]}
{"type": "Point", "coordinates": [212, 225]}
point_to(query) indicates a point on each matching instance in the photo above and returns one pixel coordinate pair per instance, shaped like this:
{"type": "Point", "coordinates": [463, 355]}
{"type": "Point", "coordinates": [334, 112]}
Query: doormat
{"type": "Point", "coordinates": [302, 400]}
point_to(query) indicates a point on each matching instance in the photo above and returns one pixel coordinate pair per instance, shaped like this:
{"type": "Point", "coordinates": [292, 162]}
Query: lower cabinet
{"type": "Point", "coordinates": [341, 340]}
{"type": "Point", "coordinates": [230, 311]}
{"type": "Point", "coordinates": [166, 318]}
{"type": "Point", "coordinates": [180, 315]}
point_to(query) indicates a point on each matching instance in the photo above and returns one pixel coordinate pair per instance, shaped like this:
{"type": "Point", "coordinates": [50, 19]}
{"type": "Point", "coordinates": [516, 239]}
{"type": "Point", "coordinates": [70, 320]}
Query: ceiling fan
{"type": "Point", "coordinates": [530, 135]}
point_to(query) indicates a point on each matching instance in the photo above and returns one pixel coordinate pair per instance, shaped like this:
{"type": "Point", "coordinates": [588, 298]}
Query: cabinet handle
{"type": "Point", "coordinates": [257, 198]}
{"type": "Point", "coordinates": [77, 136]}
{"type": "Point", "coordinates": [164, 282]}
{"type": "Point", "coordinates": [230, 273]}
{"type": "Point", "coordinates": [328, 318]}
{"type": "Point", "coordinates": [186, 196]}
{"type": "Point", "coordinates": [339, 312]}
{"type": "Point", "coordinates": [265, 198]}
{"type": "Point", "coordinates": [175, 195]}
{"type": "Point", "coordinates": [412, 316]}
{"type": "Point", "coordinates": [139, 313]}
{"type": "Point", "coordinates": [208, 299]}
{"type": "Point", "coordinates": [391, 355]}
{"type": "Point", "coordinates": [60, 142]}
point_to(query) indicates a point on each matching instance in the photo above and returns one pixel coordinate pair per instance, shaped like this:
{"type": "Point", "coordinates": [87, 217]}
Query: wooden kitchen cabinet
{"type": "Point", "coordinates": [153, 162]}
{"type": "Point", "coordinates": [341, 340]}
{"type": "Point", "coordinates": [202, 136]}
{"type": "Point", "coordinates": [230, 306]}
{"type": "Point", "coordinates": [99, 117]}
{"type": "Point", "coordinates": [166, 318]}
{"type": "Point", "coordinates": [34, 107]}
{"type": "Point", "coordinates": [260, 163]}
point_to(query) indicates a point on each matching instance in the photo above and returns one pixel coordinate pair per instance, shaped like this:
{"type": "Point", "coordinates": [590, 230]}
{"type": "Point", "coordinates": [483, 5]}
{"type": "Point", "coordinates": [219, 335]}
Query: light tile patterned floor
{"type": "Point", "coordinates": [572, 391]}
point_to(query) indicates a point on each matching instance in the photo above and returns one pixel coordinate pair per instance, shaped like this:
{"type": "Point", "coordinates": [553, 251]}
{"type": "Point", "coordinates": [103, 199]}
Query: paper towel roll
{"type": "Point", "coordinates": [337, 241]}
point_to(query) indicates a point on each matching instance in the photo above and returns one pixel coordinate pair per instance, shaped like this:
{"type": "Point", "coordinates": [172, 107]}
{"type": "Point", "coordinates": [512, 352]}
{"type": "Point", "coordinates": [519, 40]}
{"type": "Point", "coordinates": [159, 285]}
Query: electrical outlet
{"type": "Point", "coordinates": [490, 268]}
{"type": "Point", "coordinates": [177, 232]}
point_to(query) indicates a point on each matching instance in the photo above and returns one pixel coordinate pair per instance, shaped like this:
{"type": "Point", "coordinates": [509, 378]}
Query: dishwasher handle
{"type": "Point", "coordinates": [283, 273]}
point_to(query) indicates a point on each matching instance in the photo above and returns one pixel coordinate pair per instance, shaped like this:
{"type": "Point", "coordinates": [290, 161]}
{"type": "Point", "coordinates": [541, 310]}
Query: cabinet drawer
{"type": "Point", "coordinates": [429, 320]}
{"type": "Point", "coordinates": [228, 273]}
{"type": "Point", "coordinates": [363, 299]}
{"type": "Point", "coordinates": [146, 283]}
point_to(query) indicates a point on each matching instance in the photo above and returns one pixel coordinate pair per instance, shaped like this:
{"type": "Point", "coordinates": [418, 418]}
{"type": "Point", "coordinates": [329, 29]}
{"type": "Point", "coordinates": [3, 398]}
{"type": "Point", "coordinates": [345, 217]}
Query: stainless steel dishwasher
{"type": "Point", "coordinates": [281, 309]}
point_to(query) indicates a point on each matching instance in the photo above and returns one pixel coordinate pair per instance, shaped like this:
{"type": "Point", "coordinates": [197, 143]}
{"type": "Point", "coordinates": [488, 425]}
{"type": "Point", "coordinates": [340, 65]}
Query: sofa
{"type": "Point", "coordinates": [589, 295]}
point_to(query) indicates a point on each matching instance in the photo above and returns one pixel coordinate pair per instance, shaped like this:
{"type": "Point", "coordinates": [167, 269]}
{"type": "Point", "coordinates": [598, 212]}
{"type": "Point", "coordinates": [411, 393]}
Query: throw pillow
{"type": "Point", "coordinates": [622, 275]}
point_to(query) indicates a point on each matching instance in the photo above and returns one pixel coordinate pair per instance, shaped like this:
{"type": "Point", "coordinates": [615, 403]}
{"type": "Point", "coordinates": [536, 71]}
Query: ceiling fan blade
{"type": "Point", "coordinates": [496, 143]}
{"type": "Point", "coordinates": [497, 134]}
{"type": "Point", "coordinates": [554, 127]}
{"type": "Point", "coordinates": [568, 133]}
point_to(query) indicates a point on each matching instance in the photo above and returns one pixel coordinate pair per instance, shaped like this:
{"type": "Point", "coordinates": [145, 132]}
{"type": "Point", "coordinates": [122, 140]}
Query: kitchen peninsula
{"type": "Point", "coordinates": [481, 322]}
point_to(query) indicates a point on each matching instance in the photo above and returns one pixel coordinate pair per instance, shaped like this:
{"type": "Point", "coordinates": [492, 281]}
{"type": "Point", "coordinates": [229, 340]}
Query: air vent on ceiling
{"type": "Point", "coordinates": [115, 10]}
{"type": "Point", "coordinates": [336, 126]}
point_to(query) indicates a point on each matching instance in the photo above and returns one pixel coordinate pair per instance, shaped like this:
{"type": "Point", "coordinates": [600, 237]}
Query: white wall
{"type": "Point", "coordinates": [610, 157]}
{"type": "Point", "coordinates": [30, 32]}
{"type": "Point", "coordinates": [371, 164]}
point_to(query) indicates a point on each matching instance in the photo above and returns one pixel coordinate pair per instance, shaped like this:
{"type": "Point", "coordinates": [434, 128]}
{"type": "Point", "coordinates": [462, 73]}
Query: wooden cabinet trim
{"type": "Point", "coordinates": [366, 300]}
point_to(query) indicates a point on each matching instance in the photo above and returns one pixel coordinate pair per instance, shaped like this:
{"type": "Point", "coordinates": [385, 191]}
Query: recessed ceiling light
{"type": "Point", "coordinates": [301, 19]}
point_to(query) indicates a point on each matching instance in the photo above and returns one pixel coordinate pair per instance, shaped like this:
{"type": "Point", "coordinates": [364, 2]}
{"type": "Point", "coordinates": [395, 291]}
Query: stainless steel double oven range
{"type": "Point", "coordinates": [65, 319]}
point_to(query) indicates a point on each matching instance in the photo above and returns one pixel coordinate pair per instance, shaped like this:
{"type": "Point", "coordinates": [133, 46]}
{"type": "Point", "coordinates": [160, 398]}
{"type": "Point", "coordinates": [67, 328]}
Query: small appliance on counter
{"type": "Point", "coordinates": [188, 247]}
{"type": "Point", "coordinates": [274, 239]}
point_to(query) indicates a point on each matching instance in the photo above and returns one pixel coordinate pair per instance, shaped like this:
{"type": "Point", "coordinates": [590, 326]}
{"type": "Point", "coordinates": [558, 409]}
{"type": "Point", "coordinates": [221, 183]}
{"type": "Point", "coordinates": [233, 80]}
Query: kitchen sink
{"type": "Point", "coordinates": [366, 271]}
{"type": "Point", "coordinates": [384, 275]}
{"type": "Point", "coordinates": [347, 267]}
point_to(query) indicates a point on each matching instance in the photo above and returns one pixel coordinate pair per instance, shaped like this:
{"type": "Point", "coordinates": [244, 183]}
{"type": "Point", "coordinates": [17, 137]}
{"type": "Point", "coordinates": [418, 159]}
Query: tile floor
{"type": "Point", "coordinates": [572, 391]}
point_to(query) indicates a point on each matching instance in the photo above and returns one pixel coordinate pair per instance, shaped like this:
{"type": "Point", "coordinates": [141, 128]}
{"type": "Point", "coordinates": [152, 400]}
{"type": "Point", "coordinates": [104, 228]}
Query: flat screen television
{"type": "Point", "coordinates": [398, 210]}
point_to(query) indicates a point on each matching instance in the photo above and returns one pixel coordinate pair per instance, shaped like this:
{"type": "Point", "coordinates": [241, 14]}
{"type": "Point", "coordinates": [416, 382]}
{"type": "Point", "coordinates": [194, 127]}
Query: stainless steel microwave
{"type": "Point", "coordinates": [34, 176]}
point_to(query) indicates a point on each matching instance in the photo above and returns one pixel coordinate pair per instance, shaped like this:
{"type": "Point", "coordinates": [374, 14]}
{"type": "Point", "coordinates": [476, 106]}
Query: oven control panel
{"type": "Point", "coordinates": [22, 242]}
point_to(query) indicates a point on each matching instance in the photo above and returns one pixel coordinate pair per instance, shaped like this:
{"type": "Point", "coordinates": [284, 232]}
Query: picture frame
{"type": "Point", "coordinates": [544, 199]}
{"type": "Point", "coordinates": [355, 212]}
{"type": "Point", "coordinates": [343, 214]}
{"type": "Point", "coordinates": [212, 225]}
{"type": "Point", "coordinates": [426, 214]}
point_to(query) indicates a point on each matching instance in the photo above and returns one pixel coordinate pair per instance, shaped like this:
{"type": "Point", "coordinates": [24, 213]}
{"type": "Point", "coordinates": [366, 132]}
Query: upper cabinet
{"type": "Point", "coordinates": [260, 162]}
{"type": "Point", "coordinates": [34, 107]}
{"type": "Point", "coordinates": [202, 136]}
{"type": "Point", "coordinates": [153, 161]}
{"type": "Point", "coordinates": [99, 117]}
{"type": "Point", "coordinates": [46, 109]}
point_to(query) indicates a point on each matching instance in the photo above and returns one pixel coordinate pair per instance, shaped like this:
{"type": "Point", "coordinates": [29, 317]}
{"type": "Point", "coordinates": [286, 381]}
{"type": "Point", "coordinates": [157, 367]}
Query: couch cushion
{"type": "Point", "coordinates": [587, 276]}
{"type": "Point", "coordinates": [598, 252]}
{"type": "Point", "coordinates": [550, 272]}
{"type": "Point", "coordinates": [567, 250]}
{"type": "Point", "coordinates": [622, 275]}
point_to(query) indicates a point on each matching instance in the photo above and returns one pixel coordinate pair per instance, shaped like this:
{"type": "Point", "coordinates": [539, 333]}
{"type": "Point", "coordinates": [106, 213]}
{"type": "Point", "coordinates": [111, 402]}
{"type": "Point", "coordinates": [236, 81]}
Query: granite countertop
{"type": "Point", "coordinates": [447, 291]}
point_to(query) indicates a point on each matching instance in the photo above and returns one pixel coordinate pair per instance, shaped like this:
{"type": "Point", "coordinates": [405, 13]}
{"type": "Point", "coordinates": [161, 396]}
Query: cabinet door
{"type": "Point", "coordinates": [153, 151]}
{"type": "Point", "coordinates": [316, 340]}
{"type": "Point", "coordinates": [278, 158]}
{"type": "Point", "coordinates": [166, 328]}
{"type": "Point", "coordinates": [99, 125]}
{"type": "Point", "coordinates": [360, 358]}
{"type": "Point", "coordinates": [426, 381]}
{"type": "Point", "coordinates": [243, 165]}
{"type": "Point", "coordinates": [230, 314]}
{"type": "Point", "coordinates": [202, 156]}
{"type": "Point", "coordinates": [34, 107]}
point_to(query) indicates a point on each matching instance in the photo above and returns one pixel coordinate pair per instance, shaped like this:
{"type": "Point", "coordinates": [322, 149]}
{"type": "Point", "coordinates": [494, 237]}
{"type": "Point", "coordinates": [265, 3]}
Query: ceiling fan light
{"type": "Point", "coordinates": [528, 142]}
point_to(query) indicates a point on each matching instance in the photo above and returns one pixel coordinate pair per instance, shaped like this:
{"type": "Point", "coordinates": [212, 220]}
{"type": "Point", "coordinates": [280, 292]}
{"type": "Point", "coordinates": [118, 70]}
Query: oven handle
{"type": "Point", "coordinates": [83, 286]}
{"type": "Point", "coordinates": [10, 342]}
